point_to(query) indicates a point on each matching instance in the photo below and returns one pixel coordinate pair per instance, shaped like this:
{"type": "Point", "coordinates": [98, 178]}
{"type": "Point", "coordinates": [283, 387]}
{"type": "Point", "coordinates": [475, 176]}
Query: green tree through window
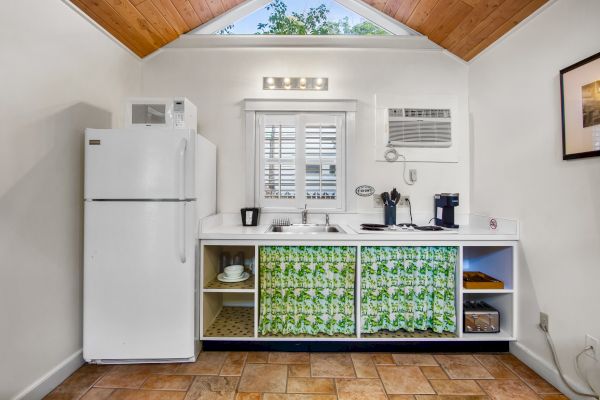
{"type": "Point", "coordinates": [314, 21]}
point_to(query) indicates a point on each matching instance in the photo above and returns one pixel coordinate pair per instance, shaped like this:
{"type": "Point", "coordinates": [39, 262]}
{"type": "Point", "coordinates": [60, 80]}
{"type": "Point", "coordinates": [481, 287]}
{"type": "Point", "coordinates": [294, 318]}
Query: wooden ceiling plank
{"type": "Point", "coordinates": [137, 21]}
{"type": "Point", "coordinates": [485, 28]}
{"type": "Point", "coordinates": [391, 7]}
{"type": "Point", "coordinates": [504, 28]}
{"type": "Point", "coordinates": [202, 10]}
{"type": "Point", "coordinates": [216, 7]}
{"type": "Point", "coordinates": [105, 15]}
{"type": "Point", "coordinates": [479, 13]}
{"type": "Point", "coordinates": [421, 13]}
{"type": "Point", "coordinates": [152, 15]}
{"type": "Point", "coordinates": [379, 4]}
{"type": "Point", "coordinates": [229, 4]}
{"type": "Point", "coordinates": [444, 18]}
{"type": "Point", "coordinates": [187, 12]}
{"type": "Point", "coordinates": [405, 10]}
{"type": "Point", "coordinates": [170, 13]}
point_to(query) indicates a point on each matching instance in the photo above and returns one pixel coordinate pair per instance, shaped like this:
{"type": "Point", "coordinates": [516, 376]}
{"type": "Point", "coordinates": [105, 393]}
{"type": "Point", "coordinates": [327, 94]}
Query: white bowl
{"type": "Point", "coordinates": [234, 270]}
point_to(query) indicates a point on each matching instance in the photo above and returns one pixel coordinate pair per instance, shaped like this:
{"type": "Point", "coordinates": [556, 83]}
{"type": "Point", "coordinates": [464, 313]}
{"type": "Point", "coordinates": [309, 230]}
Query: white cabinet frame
{"type": "Point", "coordinates": [506, 297]}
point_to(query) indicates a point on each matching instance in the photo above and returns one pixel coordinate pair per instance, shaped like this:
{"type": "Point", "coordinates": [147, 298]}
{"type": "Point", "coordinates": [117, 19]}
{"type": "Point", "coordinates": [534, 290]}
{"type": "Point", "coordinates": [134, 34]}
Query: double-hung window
{"type": "Point", "coordinates": [301, 160]}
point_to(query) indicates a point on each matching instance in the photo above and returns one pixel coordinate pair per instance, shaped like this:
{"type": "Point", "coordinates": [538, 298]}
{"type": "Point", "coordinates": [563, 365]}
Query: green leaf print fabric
{"type": "Point", "coordinates": [307, 290]}
{"type": "Point", "coordinates": [408, 288]}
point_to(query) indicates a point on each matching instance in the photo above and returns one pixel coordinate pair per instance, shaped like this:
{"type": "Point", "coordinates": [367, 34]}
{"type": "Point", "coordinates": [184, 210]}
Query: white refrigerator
{"type": "Point", "coordinates": [144, 192]}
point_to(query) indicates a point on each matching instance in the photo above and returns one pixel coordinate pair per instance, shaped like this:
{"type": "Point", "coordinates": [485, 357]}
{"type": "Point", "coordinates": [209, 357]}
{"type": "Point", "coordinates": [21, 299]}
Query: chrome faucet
{"type": "Point", "coordinates": [305, 215]}
{"type": "Point", "coordinates": [326, 219]}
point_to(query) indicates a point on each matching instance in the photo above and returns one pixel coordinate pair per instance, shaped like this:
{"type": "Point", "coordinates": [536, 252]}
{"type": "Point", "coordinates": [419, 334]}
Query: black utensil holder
{"type": "Point", "coordinates": [389, 215]}
{"type": "Point", "coordinates": [250, 216]}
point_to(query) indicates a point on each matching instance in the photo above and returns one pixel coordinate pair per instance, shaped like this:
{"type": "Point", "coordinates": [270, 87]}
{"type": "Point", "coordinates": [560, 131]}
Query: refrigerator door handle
{"type": "Point", "coordinates": [182, 149]}
{"type": "Point", "coordinates": [182, 251]}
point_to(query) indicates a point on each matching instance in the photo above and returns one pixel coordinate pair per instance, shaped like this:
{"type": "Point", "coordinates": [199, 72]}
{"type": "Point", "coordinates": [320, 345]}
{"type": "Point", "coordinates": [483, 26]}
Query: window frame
{"type": "Point", "coordinates": [343, 110]}
{"type": "Point", "coordinates": [301, 121]}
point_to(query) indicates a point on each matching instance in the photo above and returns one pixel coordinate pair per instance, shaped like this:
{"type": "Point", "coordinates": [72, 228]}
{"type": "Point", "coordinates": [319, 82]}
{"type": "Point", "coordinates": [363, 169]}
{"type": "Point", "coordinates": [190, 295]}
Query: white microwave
{"type": "Point", "coordinates": [174, 113]}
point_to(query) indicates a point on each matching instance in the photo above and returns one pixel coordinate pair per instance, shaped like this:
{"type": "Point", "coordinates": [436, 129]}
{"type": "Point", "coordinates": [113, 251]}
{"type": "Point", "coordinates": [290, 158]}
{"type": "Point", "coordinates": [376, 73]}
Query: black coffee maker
{"type": "Point", "coordinates": [443, 209]}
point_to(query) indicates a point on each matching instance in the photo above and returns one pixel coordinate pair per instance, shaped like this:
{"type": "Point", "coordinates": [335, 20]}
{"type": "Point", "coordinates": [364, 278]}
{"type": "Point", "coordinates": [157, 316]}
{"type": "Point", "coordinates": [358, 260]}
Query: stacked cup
{"type": "Point", "coordinates": [233, 272]}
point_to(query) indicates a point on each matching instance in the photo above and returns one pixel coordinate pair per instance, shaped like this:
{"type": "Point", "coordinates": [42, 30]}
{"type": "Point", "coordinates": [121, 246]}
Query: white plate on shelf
{"type": "Point", "coordinates": [221, 277]}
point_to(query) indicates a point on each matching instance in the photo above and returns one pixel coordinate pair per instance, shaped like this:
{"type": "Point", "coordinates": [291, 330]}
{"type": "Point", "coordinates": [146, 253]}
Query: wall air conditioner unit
{"type": "Point", "coordinates": [419, 127]}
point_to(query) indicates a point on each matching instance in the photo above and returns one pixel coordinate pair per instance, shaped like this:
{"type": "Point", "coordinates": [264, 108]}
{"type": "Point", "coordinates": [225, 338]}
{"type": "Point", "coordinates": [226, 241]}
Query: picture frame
{"type": "Point", "coordinates": [580, 107]}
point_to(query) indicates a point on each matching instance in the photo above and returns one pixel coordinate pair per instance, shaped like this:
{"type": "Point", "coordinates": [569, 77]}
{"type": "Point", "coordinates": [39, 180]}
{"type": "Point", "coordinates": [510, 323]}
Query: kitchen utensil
{"type": "Point", "coordinates": [429, 228]}
{"type": "Point", "coordinates": [395, 196]}
{"type": "Point", "coordinates": [240, 278]}
{"type": "Point", "coordinates": [373, 226]}
{"type": "Point", "coordinates": [385, 196]}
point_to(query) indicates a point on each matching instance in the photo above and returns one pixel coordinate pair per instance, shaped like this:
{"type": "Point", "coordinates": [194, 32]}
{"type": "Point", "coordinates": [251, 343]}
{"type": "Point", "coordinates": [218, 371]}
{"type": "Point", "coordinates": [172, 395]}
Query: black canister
{"type": "Point", "coordinates": [250, 216]}
{"type": "Point", "coordinates": [389, 214]}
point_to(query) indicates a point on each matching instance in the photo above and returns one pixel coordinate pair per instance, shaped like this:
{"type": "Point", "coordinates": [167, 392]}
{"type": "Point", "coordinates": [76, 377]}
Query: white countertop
{"type": "Point", "coordinates": [229, 227]}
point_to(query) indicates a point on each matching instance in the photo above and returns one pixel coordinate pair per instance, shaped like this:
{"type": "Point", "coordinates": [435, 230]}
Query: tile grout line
{"type": "Point", "coordinates": [520, 378]}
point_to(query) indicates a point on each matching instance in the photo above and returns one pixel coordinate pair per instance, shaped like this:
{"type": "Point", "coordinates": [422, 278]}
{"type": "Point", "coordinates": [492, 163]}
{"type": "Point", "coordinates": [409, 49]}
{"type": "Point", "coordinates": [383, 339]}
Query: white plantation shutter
{"type": "Point", "coordinates": [320, 145]}
{"type": "Point", "coordinates": [279, 160]}
{"type": "Point", "coordinates": [301, 160]}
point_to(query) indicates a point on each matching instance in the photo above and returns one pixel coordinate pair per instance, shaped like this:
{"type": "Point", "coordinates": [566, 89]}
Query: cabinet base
{"type": "Point", "coordinates": [355, 346]}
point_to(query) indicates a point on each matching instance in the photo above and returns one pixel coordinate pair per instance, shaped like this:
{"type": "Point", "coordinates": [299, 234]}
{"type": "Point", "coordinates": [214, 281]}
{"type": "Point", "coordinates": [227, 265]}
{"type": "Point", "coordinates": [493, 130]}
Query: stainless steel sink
{"type": "Point", "coordinates": [306, 228]}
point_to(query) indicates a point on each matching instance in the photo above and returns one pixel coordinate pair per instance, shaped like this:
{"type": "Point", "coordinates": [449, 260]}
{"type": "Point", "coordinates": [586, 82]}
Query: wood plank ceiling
{"type": "Point", "coordinates": [464, 27]}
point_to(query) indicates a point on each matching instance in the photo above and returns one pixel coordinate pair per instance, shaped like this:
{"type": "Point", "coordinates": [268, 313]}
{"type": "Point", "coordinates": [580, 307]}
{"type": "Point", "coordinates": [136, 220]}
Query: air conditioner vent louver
{"type": "Point", "coordinates": [419, 127]}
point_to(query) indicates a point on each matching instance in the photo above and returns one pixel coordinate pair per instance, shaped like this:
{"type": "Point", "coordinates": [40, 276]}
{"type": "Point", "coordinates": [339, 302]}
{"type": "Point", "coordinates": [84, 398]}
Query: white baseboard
{"type": "Point", "coordinates": [51, 379]}
{"type": "Point", "coordinates": [547, 371]}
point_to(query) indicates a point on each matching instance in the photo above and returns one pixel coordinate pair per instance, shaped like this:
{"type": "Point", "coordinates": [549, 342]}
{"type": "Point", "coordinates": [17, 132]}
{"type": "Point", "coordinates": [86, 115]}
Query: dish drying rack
{"type": "Point", "coordinates": [281, 222]}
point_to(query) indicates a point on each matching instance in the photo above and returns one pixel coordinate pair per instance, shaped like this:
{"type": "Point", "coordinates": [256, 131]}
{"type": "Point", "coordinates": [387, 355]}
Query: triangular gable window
{"type": "Point", "coordinates": [308, 17]}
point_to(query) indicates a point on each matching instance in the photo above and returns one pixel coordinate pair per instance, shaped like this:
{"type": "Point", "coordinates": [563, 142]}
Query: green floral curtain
{"type": "Point", "coordinates": [307, 290]}
{"type": "Point", "coordinates": [408, 288]}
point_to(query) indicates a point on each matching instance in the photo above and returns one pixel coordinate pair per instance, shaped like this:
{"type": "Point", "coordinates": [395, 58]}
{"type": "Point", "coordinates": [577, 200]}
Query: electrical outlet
{"type": "Point", "coordinates": [412, 174]}
{"type": "Point", "coordinates": [593, 342]}
{"type": "Point", "coordinates": [404, 201]}
{"type": "Point", "coordinates": [544, 321]}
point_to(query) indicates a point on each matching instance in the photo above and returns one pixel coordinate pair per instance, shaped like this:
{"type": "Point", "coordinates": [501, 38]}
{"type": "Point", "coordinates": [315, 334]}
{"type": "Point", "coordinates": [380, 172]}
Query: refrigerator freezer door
{"type": "Point", "coordinates": [139, 164]}
{"type": "Point", "coordinates": [139, 260]}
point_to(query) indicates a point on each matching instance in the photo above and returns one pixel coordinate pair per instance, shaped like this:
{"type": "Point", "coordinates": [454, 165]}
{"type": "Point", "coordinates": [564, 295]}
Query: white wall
{"type": "Point", "coordinates": [518, 172]}
{"type": "Point", "coordinates": [218, 80]}
{"type": "Point", "coordinates": [58, 75]}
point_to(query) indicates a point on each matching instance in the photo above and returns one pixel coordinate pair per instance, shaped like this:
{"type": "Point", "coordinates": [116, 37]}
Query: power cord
{"type": "Point", "coordinates": [560, 373]}
{"type": "Point", "coordinates": [409, 210]}
{"type": "Point", "coordinates": [407, 181]}
{"type": "Point", "coordinates": [391, 155]}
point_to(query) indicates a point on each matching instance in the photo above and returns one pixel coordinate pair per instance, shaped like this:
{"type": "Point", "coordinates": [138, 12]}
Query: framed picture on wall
{"type": "Point", "coordinates": [580, 97]}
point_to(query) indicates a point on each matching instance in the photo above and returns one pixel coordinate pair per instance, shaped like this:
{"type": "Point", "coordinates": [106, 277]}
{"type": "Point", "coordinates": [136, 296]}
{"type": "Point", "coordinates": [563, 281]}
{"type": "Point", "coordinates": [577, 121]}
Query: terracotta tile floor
{"type": "Point", "coordinates": [314, 376]}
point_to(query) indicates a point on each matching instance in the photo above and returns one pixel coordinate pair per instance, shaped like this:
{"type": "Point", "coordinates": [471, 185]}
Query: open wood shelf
{"type": "Point", "coordinates": [232, 322]}
{"type": "Point", "coordinates": [470, 291]}
{"type": "Point", "coordinates": [216, 285]}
